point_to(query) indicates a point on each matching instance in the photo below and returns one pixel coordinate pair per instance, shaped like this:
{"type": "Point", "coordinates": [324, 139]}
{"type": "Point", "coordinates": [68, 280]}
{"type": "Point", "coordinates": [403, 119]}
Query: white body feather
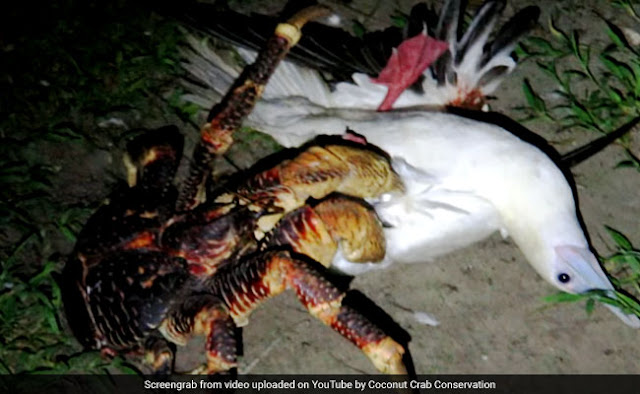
{"type": "Point", "coordinates": [465, 179]}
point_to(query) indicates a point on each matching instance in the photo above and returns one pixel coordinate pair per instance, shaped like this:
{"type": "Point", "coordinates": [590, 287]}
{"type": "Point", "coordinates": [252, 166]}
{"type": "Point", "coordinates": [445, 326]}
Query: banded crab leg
{"type": "Point", "coordinates": [317, 231]}
{"type": "Point", "coordinates": [224, 118]}
{"type": "Point", "coordinates": [356, 170]}
{"type": "Point", "coordinates": [205, 314]}
{"type": "Point", "coordinates": [152, 160]}
{"type": "Point", "coordinates": [353, 170]}
{"type": "Point", "coordinates": [316, 172]}
{"type": "Point", "coordinates": [159, 355]}
{"type": "Point", "coordinates": [243, 286]}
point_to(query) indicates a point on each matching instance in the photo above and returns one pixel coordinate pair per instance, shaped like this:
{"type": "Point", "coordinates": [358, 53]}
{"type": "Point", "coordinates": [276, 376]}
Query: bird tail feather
{"type": "Point", "coordinates": [477, 62]}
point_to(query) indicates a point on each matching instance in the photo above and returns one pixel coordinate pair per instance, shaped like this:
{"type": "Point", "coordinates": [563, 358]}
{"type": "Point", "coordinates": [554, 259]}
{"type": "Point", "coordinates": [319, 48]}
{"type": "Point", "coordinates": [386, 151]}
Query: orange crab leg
{"type": "Point", "coordinates": [355, 226]}
{"type": "Point", "coordinates": [338, 220]}
{"type": "Point", "coordinates": [205, 315]}
{"type": "Point", "coordinates": [245, 285]}
{"type": "Point", "coordinates": [152, 159]}
{"type": "Point", "coordinates": [159, 355]}
{"type": "Point", "coordinates": [227, 116]}
{"type": "Point", "coordinates": [351, 169]}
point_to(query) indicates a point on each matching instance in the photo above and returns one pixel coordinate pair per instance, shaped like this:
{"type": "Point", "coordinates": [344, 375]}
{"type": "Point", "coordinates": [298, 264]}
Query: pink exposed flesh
{"type": "Point", "coordinates": [352, 136]}
{"type": "Point", "coordinates": [406, 64]}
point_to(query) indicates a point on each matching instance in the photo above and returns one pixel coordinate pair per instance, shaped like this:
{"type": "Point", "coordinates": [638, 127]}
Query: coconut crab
{"type": "Point", "coordinates": [156, 264]}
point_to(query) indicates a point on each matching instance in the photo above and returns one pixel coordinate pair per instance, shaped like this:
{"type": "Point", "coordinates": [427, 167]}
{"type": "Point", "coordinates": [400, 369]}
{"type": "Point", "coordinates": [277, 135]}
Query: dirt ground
{"type": "Point", "coordinates": [487, 299]}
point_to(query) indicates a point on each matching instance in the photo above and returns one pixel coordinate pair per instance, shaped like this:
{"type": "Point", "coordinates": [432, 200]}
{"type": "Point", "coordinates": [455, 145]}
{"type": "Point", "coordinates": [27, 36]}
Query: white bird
{"type": "Point", "coordinates": [465, 179]}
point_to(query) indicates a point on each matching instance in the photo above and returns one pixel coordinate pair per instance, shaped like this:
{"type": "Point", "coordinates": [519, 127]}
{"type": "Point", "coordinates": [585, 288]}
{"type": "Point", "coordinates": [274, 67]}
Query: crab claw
{"type": "Point", "coordinates": [406, 64]}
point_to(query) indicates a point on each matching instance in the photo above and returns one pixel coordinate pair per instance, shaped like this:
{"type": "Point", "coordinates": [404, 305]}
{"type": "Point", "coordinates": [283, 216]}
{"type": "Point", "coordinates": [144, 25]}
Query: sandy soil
{"type": "Point", "coordinates": [486, 297]}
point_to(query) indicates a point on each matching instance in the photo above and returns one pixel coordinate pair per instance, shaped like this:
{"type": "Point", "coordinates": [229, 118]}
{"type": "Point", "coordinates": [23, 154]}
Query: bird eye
{"type": "Point", "coordinates": [564, 278]}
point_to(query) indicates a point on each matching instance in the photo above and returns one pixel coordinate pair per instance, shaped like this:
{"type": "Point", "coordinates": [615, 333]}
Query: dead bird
{"type": "Point", "coordinates": [465, 178]}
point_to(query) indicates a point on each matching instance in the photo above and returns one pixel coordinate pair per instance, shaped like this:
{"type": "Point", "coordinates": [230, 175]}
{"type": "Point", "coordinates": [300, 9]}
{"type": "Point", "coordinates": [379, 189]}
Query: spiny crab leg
{"type": "Point", "coordinates": [205, 314]}
{"type": "Point", "coordinates": [242, 287]}
{"type": "Point", "coordinates": [159, 355]}
{"type": "Point", "coordinates": [321, 170]}
{"type": "Point", "coordinates": [267, 196]}
{"type": "Point", "coordinates": [317, 231]}
{"type": "Point", "coordinates": [227, 116]}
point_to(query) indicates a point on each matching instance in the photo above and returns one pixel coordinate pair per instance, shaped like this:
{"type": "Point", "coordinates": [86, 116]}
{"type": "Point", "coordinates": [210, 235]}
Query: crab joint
{"type": "Point", "coordinates": [384, 352]}
{"type": "Point", "coordinates": [305, 15]}
{"type": "Point", "coordinates": [289, 32]}
{"type": "Point", "coordinates": [291, 29]}
{"type": "Point", "coordinates": [386, 356]}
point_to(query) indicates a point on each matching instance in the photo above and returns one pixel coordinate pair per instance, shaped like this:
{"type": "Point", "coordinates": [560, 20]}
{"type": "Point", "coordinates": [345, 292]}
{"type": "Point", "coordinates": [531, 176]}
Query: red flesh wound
{"type": "Point", "coordinates": [406, 64]}
{"type": "Point", "coordinates": [352, 136]}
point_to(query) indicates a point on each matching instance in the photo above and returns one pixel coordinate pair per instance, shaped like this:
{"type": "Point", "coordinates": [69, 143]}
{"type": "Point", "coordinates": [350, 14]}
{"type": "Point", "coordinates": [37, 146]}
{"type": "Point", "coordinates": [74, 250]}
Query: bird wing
{"type": "Point", "coordinates": [472, 69]}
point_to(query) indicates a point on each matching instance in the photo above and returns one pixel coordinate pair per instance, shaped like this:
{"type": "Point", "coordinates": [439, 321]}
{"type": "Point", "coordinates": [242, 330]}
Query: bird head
{"type": "Point", "coordinates": [576, 270]}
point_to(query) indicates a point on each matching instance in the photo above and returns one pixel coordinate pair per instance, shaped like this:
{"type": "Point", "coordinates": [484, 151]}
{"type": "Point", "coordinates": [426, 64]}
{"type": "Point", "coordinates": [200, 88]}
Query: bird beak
{"type": "Point", "coordinates": [586, 274]}
{"type": "Point", "coordinates": [630, 320]}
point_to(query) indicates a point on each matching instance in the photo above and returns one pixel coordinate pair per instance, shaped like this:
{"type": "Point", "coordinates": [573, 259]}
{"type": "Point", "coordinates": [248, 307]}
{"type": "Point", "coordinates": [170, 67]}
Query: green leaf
{"type": "Point", "coordinates": [533, 99]}
{"type": "Point", "coordinates": [617, 36]}
{"type": "Point", "coordinates": [628, 164]}
{"type": "Point", "coordinates": [558, 33]}
{"type": "Point", "coordinates": [575, 73]}
{"type": "Point", "coordinates": [635, 69]}
{"type": "Point", "coordinates": [612, 65]}
{"type": "Point", "coordinates": [52, 321]}
{"type": "Point", "coordinates": [56, 295]}
{"type": "Point", "coordinates": [582, 114]}
{"type": "Point", "coordinates": [575, 45]}
{"type": "Point", "coordinates": [590, 306]}
{"type": "Point", "coordinates": [43, 275]}
{"type": "Point", "coordinates": [549, 68]}
{"type": "Point", "coordinates": [399, 19]}
{"type": "Point", "coordinates": [544, 47]}
{"type": "Point", "coordinates": [615, 95]}
{"type": "Point", "coordinates": [563, 297]}
{"type": "Point", "coordinates": [622, 71]}
{"type": "Point", "coordinates": [620, 239]}
{"type": "Point", "coordinates": [68, 233]}
{"type": "Point", "coordinates": [358, 29]}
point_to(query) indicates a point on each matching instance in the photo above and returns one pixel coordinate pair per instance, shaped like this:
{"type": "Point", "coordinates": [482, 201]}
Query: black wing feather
{"type": "Point", "coordinates": [519, 25]}
{"type": "Point", "coordinates": [482, 21]}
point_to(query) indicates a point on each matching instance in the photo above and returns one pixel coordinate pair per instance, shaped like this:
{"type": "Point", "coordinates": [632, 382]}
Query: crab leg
{"type": "Point", "coordinates": [227, 116]}
{"type": "Point", "coordinates": [318, 171]}
{"type": "Point", "coordinates": [159, 355]}
{"type": "Point", "coordinates": [245, 285]}
{"type": "Point", "coordinates": [152, 159]}
{"type": "Point", "coordinates": [338, 220]}
{"type": "Point", "coordinates": [205, 315]}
